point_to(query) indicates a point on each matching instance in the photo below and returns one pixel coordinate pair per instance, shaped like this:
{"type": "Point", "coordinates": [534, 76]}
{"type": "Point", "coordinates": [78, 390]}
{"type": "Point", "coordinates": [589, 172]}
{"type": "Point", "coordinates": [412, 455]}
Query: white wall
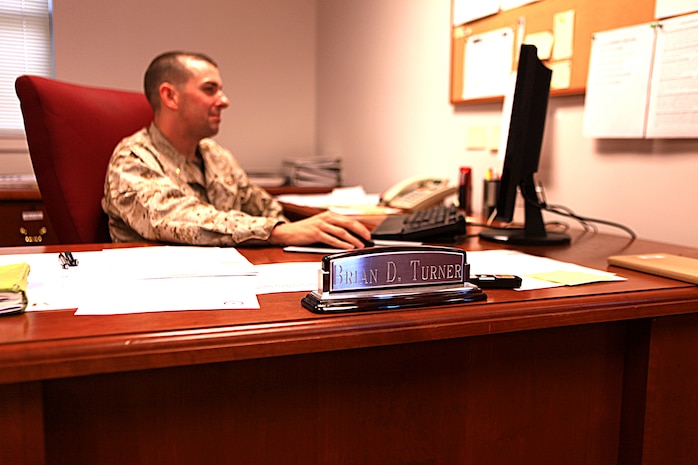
{"type": "Point", "coordinates": [383, 86]}
{"type": "Point", "coordinates": [265, 50]}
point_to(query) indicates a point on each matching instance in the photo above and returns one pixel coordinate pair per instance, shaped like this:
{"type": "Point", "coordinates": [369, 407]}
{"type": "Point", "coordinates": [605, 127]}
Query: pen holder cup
{"type": "Point", "coordinates": [490, 192]}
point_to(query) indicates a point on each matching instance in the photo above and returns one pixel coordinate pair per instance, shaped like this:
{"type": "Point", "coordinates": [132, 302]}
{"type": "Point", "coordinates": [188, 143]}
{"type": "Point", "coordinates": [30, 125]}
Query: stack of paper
{"type": "Point", "coordinates": [314, 172]}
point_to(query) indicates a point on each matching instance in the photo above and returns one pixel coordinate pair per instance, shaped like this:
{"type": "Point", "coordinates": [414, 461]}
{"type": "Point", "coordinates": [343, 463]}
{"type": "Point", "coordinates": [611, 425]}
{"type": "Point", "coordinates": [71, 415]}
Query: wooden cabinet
{"type": "Point", "coordinates": [24, 221]}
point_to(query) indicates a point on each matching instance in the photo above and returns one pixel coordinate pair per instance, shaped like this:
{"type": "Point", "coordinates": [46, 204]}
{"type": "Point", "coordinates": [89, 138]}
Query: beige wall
{"type": "Point", "coordinates": [368, 80]}
{"type": "Point", "coordinates": [265, 49]}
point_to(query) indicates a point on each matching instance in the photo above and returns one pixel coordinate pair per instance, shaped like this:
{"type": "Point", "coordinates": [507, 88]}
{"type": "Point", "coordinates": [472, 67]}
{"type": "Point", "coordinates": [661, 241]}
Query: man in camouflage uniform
{"type": "Point", "coordinates": [171, 183]}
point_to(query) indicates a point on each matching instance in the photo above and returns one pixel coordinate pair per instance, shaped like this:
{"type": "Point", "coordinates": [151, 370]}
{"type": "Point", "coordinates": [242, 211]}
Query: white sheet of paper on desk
{"type": "Point", "coordinates": [343, 200]}
{"type": "Point", "coordinates": [331, 250]}
{"type": "Point", "coordinates": [175, 262]}
{"type": "Point", "coordinates": [168, 278]}
{"type": "Point", "coordinates": [353, 199]}
{"type": "Point", "coordinates": [168, 294]}
{"type": "Point", "coordinates": [341, 196]}
{"type": "Point", "coordinates": [535, 272]}
{"type": "Point", "coordinates": [287, 277]}
{"type": "Point", "coordinates": [49, 286]}
{"type": "Point", "coordinates": [124, 274]}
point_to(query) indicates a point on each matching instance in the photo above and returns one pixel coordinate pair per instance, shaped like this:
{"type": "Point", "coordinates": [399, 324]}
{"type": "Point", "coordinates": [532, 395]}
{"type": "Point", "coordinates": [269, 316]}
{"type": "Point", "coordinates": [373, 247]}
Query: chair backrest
{"type": "Point", "coordinates": [71, 132]}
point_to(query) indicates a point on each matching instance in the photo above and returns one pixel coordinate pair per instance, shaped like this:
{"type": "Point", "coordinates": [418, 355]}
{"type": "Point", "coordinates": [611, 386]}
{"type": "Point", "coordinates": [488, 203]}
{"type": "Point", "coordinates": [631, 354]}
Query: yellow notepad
{"type": "Point", "coordinates": [662, 264]}
{"type": "Point", "coordinates": [13, 288]}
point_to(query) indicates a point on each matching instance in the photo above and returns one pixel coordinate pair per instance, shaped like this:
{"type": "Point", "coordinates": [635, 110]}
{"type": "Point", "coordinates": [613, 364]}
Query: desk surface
{"type": "Point", "coordinates": [54, 344]}
{"type": "Point", "coordinates": [597, 374]}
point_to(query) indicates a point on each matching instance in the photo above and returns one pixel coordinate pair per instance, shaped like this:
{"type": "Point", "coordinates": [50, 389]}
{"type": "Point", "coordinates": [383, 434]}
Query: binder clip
{"type": "Point", "coordinates": [66, 258]}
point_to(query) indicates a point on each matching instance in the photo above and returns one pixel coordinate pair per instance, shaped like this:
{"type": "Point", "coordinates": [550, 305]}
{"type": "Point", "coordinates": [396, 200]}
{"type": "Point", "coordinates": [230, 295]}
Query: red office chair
{"type": "Point", "coordinates": [71, 132]}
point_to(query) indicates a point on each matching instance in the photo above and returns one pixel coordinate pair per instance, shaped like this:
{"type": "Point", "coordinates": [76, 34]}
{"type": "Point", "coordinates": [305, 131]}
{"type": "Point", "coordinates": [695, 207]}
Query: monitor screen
{"type": "Point", "coordinates": [525, 138]}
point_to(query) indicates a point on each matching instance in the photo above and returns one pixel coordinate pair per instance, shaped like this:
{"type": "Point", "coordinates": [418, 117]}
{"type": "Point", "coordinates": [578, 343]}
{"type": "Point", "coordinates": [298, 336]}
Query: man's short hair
{"type": "Point", "coordinates": [169, 67]}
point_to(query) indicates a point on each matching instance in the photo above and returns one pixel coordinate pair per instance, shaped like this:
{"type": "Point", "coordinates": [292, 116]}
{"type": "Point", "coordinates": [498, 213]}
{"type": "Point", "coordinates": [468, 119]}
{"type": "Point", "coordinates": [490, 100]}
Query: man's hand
{"type": "Point", "coordinates": [326, 228]}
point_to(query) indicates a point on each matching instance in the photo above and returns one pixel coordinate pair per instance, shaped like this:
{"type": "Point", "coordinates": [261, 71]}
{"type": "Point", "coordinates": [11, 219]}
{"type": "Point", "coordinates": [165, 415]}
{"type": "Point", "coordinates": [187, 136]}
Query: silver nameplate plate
{"type": "Point", "coordinates": [393, 267]}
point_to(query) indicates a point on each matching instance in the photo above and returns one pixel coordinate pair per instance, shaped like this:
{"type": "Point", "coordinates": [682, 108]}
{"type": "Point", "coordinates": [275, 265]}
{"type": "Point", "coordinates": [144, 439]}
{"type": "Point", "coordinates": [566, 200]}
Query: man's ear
{"type": "Point", "coordinates": [169, 96]}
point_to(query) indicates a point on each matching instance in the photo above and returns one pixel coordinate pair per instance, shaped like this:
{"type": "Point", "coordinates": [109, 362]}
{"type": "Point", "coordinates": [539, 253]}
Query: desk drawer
{"type": "Point", "coordinates": [24, 223]}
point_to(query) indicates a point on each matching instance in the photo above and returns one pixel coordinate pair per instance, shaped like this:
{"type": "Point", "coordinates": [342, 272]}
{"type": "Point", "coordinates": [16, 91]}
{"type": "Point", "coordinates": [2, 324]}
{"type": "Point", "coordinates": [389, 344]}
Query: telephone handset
{"type": "Point", "coordinates": [417, 193]}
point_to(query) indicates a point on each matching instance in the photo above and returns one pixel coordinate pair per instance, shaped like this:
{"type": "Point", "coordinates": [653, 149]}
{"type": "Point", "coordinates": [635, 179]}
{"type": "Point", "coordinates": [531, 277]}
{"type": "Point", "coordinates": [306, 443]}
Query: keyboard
{"type": "Point", "coordinates": [437, 224]}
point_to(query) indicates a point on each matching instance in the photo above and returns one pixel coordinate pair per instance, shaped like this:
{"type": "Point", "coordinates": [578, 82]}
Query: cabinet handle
{"type": "Point", "coordinates": [33, 239]}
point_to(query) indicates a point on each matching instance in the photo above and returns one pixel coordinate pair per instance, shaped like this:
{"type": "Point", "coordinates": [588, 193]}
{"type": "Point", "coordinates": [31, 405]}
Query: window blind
{"type": "Point", "coordinates": [25, 48]}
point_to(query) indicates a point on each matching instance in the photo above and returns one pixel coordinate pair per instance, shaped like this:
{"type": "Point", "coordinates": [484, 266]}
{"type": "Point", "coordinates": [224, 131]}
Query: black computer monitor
{"type": "Point", "coordinates": [528, 114]}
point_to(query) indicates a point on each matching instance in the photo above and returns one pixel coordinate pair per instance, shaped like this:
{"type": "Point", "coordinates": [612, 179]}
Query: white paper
{"type": "Point", "coordinates": [342, 196]}
{"type": "Point", "coordinates": [49, 286]}
{"type": "Point", "coordinates": [96, 290]}
{"type": "Point", "coordinates": [619, 72]}
{"type": "Point", "coordinates": [525, 265]}
{"type": "Point", "coordinates": [128, 296]}
{"type": "Point", "coordinates": [673, 104]}
{"type": "Point", "coordinates": [511, 4]}
{"type": "Point", "coordinates": [287, 277]}
{"type": "Point", "coordinates": [331, 250]}
{"type": "Point", "coordinates": [642, 81]}
{"type": "Point", "coordinates": [174, 262]}
{"type": "Point", "coordinates": [139, 279]}
{"type": "Point", "coordinates": [465, 11]}
{"type": "Point", "coordinates": [667, 8]}
{"type": "Point", "coordinates": [487, 64]}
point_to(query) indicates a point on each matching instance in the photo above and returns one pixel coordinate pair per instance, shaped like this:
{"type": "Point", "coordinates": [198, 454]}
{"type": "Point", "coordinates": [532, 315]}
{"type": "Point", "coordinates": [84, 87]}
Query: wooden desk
{"type": "Point", "coordinates": [596, 374]}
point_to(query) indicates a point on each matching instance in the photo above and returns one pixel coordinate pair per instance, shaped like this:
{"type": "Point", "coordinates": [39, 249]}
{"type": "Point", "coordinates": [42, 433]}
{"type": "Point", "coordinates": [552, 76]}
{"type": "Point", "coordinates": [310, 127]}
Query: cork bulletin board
{"type": "Point", "coordinates": [590, 16]}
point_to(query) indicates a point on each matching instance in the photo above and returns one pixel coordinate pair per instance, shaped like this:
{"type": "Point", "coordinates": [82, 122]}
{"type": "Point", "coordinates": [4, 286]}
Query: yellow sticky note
{"type": "Point", "coordinates": [563, 35]}
{"type": "Point", "coordinates": [562, 74]}
{"type": "Point", "coordinates": [570, 278]}
{"type": "Point", "coordinates": [544, 43]}
{"type": "Point", "coordinates": [476, 137]}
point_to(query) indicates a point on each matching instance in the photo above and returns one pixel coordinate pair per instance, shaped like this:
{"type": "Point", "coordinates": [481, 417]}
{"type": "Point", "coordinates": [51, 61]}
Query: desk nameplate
{"type": "Point", "coordinates": [392, 277]}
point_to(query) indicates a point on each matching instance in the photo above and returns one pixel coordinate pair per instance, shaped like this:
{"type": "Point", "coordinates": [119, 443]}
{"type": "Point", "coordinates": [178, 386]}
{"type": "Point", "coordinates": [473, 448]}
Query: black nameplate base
{"type": "Point", "coordinates": [382, 278]}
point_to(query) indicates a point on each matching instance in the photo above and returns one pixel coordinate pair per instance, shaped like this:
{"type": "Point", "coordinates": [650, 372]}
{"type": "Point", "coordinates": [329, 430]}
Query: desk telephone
{"type": "Point", "coordinates": [417, 193]}
{"type": "Point", "coordinates": [427, 218]}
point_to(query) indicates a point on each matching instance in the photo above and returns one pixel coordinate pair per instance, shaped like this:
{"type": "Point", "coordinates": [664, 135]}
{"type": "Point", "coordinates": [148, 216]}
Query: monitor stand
{"type": "Point", "coordinates": [533, 232]}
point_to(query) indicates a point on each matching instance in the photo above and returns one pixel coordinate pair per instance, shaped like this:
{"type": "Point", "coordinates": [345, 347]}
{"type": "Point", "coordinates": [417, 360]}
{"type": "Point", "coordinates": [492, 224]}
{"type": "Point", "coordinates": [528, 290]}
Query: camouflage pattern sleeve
{"type": "Point", "coordinates": [152, 193]}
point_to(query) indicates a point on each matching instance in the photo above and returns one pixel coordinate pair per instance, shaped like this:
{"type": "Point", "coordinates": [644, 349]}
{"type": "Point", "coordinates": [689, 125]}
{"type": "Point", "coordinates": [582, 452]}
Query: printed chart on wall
{"type": "Point", "coordinates": [641, 81]}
